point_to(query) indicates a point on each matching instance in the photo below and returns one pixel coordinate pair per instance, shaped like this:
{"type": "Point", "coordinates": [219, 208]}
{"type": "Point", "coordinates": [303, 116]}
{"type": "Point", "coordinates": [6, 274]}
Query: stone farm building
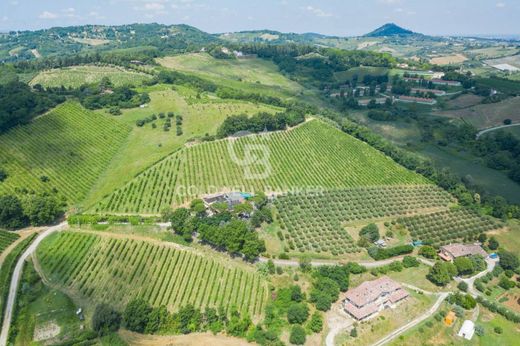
{"type": "Point", "coordinates": [414, 99]}
{"type": "Point", "coordinates": [371, 297]}
{"type": "Point", "coordinates": [452, 251]}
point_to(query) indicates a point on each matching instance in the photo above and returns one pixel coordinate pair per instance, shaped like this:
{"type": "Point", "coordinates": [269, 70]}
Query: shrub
{"type": "Point", "coordinates": [297, 336]}
{"type": "Point", "coordinates": [105, 320]}
{"type": "Point", "coordinates": [410, 261]}
{"type": "Point", "coordinates": [370, 232]}
{"type": "Point", "coordinates": [316, 322]}
{"type": "Point", "coordinates": [354, 333]}
{"type": "Point", "coordinates": [498, 330]}
{"type": "Point", "coordinates": [462, 286]}
{"type": "Point", "coordinates": [136, 315]}
{"type": "Point", "coordinates": [428, 252]}
{"type": "Point", "coordinates": [297, 313]}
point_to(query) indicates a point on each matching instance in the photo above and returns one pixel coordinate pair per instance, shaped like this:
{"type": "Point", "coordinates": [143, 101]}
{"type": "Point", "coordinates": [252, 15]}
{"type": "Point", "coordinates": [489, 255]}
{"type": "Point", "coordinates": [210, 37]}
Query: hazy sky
{"type": "Point", "coordinates": [333, 17]}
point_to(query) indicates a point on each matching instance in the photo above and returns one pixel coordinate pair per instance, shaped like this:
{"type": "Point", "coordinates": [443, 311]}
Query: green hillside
{"type": "Point", "coordinates": [313, 155]}
{"type": "Point", "coordinates": [66, 149]}
{"type": "Point", "coordinates": [105, 269]}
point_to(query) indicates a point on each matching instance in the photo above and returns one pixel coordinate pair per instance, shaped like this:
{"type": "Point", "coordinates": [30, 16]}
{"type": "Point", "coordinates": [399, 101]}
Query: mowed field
{"type": "Point", "coordinates": [75, 76]}
{"type": "Point", "coordinates": [248, 70]}
{"type": "Point", "coordinates": [147, 145]}
{"type": "Point", "coordinates": [488, 115]}
{"type": "Point", "coordinates": [65, 149]}
{"type": "Point", "coordinates": [97, 268]}
{"type": "Point", "coordinates": [314, 155]}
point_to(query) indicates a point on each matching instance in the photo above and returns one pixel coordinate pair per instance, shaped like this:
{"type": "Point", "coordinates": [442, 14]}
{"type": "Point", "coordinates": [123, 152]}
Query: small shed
{"type": "Point", "coordinates": [450, 318]}
{"type": "Point", "coordinates": [467, 330]}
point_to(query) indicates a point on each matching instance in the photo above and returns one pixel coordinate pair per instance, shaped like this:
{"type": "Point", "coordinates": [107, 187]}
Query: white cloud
{"type": "Point", "coordinates": [5, 19]}
{"type": "Point", "coordinates": [48, 15]}
{"type": "Point", "coordinates": [318, 12]}
{"type": "Point", "coordinates": [69, 12]}
{"type": "Point", "coordinates": [153, 6]}
{"type": "Point", "coordinates": [501, 5]}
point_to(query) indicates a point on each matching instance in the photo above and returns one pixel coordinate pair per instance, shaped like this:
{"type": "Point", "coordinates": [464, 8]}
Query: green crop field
{"type": "Point", "coordinates": [248, 70]}
{"type": "Point", "coordinates": [449, 226]}
{"type": "Point", "coordinates": [146, 145]}
{"type": "Point", "coordinates": [311, 156]}
{"type": "Point", "coordinates": [316, 222]}
{"type": "Point", "coordinates": [75, 76]}
{"type": "Point", "coordinates": [65, 149]}
{"type": "Point", "coordinates": [105, 269]}
{"type": "Point", "coordinates": [6, 239]}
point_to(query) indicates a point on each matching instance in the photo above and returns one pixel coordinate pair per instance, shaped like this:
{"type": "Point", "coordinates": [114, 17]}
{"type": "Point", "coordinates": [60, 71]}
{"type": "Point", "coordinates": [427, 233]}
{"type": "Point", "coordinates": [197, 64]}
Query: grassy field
{"type": "Point", "coordinates": [316, 222]}
{"type": "Point", "coordinates": [116, 270]}
{"type": "Point", "coordinates": [43, 315]}
{"type": "Point", "coordinates": [488, 115]}
{"type": "Point", "coordinates": [75, 76]}
{"type": "Point", "coordinates": [493, 181]}
{"type": "Point", "coordinates": [6, 239]}
{"type": "Point", "coordinates": [440, 334]}
{"type": "Point", "coordinates": [70, 146]}
{"type": "Point", "coordinates": [147, 145]}
{"type": "Point", "coordinates": [256, 71]}
{"type": "Point", "coordinates": [312, 156]}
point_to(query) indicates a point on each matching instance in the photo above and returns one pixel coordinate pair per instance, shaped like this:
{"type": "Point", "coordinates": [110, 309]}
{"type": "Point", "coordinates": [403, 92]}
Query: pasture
{"type": "Point", "coordinates": [75, 76]}
{"type": "Point", "coordinates": [116, 270]}
{"type": "Point", "coordinates": [255, 71]}
{"type": "Point", "coordinates": [316, 222]}
{"type": "Point", "coordinates": [147, 145]}
{"type": "Point", "coordinates": [65, 149]}
{"type": "Point", "coordinates": [487, 115]}
{"type": "Point", "coordinates": [313, 155]}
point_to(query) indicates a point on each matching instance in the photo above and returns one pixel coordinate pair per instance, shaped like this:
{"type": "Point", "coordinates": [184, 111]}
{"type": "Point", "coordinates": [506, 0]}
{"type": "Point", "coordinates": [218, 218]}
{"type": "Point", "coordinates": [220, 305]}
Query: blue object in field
{"type": "Point", "coordinates": [417, 243]}
{"type": "Point", "coordinates": [246, 195]}
{"type": "Point", "coordinates": [493, 256]}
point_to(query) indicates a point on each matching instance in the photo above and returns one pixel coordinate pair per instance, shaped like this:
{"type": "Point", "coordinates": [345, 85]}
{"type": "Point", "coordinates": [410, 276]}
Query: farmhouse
{"type": "Point", "coordinates": [452, 251]}
{"type": "Point", "coordinates": [433, 91]}
{"type": "Point", "coordinates": [371, 297]}
{"type": "Point", "coordinates": [231, 199]}
{"type": "Point", "coordinates": [379, 101]}
{"type": "Point", "coordinates": [413, 99]}
{"type": "Point", "coordinates": [446, 82]}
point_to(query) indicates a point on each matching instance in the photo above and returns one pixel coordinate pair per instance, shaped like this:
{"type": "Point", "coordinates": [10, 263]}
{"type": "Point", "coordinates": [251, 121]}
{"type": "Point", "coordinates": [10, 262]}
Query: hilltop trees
{"type": "Point", "coordinates": [11, 213]}
{"type": "Point", "coordinates": [442, 273]}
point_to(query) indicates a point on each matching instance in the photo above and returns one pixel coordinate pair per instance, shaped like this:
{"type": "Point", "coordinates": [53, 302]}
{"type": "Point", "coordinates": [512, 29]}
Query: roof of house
{"type": "Point", "coordinates": [444, 81]}
{"type": "Point", "coordinates": [369, 291]}
{"type": "Point", "coordinates": [467, 329]}
{"type": "Point", "coordinates": [459, 250]}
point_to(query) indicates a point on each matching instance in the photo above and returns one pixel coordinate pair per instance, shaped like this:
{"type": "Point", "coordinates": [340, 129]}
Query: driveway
{"type": "Point", "coordinates": [15, 279]}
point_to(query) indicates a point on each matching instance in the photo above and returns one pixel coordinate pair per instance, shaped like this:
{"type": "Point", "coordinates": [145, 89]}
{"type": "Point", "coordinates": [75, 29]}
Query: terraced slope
{"type": "Point", "coordinates": [310, 156]}
{"type": "Point", "coordinates": [315, 222]}
{"type": "Point", "coordinates": [66, 149]}
{"type": "Point", "coordinates": [104, 269]}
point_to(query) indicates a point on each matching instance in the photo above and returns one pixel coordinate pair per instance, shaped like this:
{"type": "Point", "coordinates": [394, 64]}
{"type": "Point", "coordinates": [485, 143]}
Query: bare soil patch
{"type": "Point", "coordinates": [46, 331]}
{"type": "Point", "coordinates": [194, 339]}
{"type": "Point", "coordinates": [448, 59]}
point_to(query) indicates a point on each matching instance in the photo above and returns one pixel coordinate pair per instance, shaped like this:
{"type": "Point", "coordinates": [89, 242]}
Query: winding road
{"type": "Point", "coordinates": [15, 280]}
{"type": "Point", "coordinates": [480, 133]}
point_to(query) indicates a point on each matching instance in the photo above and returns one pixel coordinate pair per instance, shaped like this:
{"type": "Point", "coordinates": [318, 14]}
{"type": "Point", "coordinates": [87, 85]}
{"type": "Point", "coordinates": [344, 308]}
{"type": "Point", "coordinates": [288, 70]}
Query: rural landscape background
{"type": "Point", "coordinates": [348, 176]}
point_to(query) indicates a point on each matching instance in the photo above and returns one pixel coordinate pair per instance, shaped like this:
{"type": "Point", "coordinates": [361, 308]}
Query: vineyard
{"type": "Point", "coordinates": [75, 76]}
{"type": "Point", "coordinates": [449, 226]}
{"type": "Point", "coordinates": [6, 239]}
{"type": "Point", "coordinates": [312, 155]}
{"type": "Point", "coordinates": [315, 222]}
{"type": "Point", "coordinates": [66, 150]}
{"type": "Point", "coordinates": [104, 269]}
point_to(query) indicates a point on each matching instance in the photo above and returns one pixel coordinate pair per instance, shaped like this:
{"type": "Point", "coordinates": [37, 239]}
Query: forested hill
{"type": "Point", "coordinates": [390, 29]}
{"type": "Point", "coordinates": [26, 45]}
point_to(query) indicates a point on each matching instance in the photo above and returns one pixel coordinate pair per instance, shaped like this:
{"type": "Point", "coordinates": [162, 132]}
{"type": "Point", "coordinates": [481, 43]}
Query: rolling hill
{"type": "Point", "coordinates": [390, 29]}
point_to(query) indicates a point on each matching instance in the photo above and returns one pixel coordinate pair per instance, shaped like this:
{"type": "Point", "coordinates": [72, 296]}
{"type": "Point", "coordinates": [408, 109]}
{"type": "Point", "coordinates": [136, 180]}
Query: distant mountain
{"type": "Point", "coordinates": [390, 29]}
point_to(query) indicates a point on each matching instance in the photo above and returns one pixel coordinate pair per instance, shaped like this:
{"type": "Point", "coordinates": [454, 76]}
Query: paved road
{"type": "Point", "coordinates": [480, 133]}
{"type": "Point", "coordinates": [413, 323]}
{"type": "Point", "coordinates": [15, 279]}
